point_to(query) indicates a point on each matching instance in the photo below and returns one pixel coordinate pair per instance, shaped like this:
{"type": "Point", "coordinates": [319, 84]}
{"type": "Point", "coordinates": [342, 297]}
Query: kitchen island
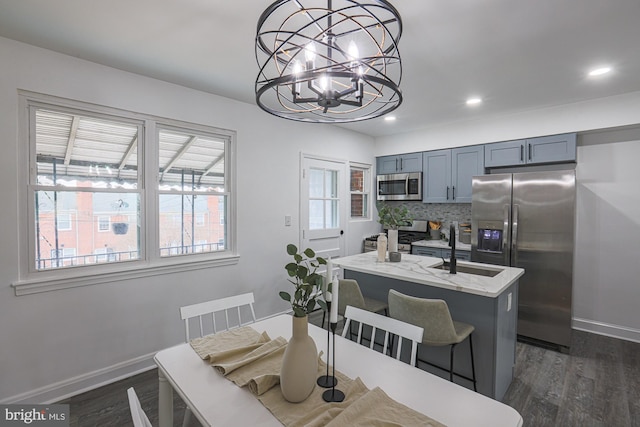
{"type": "Point", "coordinates": [483, 295]}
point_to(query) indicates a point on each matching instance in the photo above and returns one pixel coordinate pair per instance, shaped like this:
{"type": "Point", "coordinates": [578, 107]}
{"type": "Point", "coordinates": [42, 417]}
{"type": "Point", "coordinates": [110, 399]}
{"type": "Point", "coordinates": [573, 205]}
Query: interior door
{"type": "Point", "coordinates": [323, 206]}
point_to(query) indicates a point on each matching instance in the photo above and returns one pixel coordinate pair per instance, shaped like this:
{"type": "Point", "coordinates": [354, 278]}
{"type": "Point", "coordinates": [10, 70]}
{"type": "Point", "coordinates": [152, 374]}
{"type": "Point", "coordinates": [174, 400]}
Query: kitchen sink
{"type": "Point", "coordinates": [478, 271]}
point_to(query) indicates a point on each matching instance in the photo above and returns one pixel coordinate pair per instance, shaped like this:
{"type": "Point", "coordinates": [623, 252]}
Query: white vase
{"type": "Point", "coordinates": [392, 238]}
{"type": "Point", "coordinates": [382, 247]}
{"type": "Point", "coordinates": [299, 364]}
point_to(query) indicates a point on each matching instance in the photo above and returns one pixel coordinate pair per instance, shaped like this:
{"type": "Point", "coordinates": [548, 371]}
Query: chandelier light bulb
{"type": "Point", "coordinates": [310, 52]}
{"type": "Point", "coordinates": [354, 55]}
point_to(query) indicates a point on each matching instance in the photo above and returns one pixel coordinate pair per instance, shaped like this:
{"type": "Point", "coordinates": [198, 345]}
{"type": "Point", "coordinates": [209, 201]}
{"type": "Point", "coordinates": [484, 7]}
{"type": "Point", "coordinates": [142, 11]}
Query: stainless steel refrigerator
{"type": "Point", "coordinates": [527, 220]}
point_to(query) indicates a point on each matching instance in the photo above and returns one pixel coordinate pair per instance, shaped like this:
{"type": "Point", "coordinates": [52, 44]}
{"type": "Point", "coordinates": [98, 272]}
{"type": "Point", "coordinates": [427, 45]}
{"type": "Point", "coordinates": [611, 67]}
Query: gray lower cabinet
{"type": "Point", "coordinates": [447, 174]}
{"type": "Point", "coordinates": [494, 338]}
{"type": "Point", "coordinates": [402, 163]}
{"type": "Point", "coordinates": [440, 252]}
{"type": "Point", "coordinates": [546, 149]}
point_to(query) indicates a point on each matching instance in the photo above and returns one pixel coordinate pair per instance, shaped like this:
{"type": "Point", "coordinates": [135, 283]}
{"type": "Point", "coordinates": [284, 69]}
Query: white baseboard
{"type": "Point", "coordinates": [601, 328]}
{"type": "Point", "coordinates": [73, 386]}
{"type": "Point", "coordinates": [82, 383]}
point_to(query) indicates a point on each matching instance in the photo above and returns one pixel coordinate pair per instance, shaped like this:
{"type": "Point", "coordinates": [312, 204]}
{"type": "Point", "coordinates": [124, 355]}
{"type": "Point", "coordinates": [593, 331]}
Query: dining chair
{"type": "Point", "coordinates": [440, 329]}
{"type": "Point", "coordinates": [207, 310]}
{"type": "Point", "coordinates": [138, 416]}
{"type": "Point", "coordinates": [349, 293]}
{"type": "Point", "coordinates": [390, 327]}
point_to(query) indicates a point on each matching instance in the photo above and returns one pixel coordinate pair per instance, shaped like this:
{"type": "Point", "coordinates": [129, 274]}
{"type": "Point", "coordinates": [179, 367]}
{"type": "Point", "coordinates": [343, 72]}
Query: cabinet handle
{"type": "Point", "coordinates": [454, 193]}
{"type": "Point", "coordinates": [521, 153]}
{"type": "Point", "coordinates": [447, 192]}
{"type": "Point", "coordinates": [400, 163]}
{"type": "Point", "coordinates": [529, 151]}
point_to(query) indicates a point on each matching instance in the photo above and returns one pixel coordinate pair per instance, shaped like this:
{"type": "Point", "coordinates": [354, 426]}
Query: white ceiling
{"type": "Point", "coordinates": [516, 54]}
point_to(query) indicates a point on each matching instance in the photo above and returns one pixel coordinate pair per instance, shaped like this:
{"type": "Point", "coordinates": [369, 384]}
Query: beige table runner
{"type": "Point", "coordinates": [253, 359]}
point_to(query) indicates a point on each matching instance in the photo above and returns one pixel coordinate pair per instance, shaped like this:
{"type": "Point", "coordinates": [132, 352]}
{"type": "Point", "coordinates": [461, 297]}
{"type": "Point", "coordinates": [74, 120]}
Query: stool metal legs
{"type": "Point", "coordinates": [450, 370]}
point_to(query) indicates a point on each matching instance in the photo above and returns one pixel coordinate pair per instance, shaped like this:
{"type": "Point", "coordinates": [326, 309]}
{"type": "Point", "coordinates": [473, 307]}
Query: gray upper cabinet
{"type": "Point", "coordinates": [546, 149]}
{"type": "Point", "coordinates": [436, 176]}
{"type": "Point", "coordinates": [447, 174]}
{"type": "Point", "coordinates": [404, 163]}
{"type": "Point", "coordinates": [466, 162]}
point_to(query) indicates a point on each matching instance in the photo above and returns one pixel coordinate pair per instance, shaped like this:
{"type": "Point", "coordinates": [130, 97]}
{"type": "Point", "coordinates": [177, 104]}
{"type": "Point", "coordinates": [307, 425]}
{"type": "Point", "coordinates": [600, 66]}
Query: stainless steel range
{"type": "Point", "coordinates": [406, 235]}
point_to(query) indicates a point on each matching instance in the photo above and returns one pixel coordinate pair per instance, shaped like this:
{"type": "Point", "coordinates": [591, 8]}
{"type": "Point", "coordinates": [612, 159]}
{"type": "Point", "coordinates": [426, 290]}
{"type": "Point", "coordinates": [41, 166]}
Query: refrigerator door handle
{"type": "Point", "coordinates": [505, 234]}
{"type": "Point", "coordinates": [514, 237]}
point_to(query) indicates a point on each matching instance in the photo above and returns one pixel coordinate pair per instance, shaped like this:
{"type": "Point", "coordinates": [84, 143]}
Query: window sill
{"type": "Point", "coordinates": [39, 285]}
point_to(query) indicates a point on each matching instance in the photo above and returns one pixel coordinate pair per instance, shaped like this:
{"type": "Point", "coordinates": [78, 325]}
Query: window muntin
{"type": "Point", "coordinates": [359, 183]}
{"type": "Point", "coordinates": [192, 199]}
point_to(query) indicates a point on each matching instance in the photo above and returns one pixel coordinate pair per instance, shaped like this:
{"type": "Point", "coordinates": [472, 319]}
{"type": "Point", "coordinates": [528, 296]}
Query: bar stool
{"type": "Point", "coordinates": [439, 328]}
{"type": "Point", "coordinates": [349, 293]}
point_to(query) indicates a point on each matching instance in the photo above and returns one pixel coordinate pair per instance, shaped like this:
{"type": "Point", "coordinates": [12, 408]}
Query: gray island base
{"type": "Point", "coordinates": [490, 304]}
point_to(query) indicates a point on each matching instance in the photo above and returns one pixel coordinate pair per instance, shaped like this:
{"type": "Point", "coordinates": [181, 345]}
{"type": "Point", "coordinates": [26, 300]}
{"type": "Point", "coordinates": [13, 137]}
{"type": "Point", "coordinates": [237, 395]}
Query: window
{"type": "Point", "coordinates": [93, 201]}
{"type": "Point", "coordinates": [104, 223]}
{"type": "Point", "coordinates": [323, 199]}
{"type": "Point", "coordinates": [85, 163]}
{"type": "Point", "coordinates": [360, 183]}
{"type": "Point", "coordinates": [63, 222]}
{"type": "Point", "coordinates": [191, 174]}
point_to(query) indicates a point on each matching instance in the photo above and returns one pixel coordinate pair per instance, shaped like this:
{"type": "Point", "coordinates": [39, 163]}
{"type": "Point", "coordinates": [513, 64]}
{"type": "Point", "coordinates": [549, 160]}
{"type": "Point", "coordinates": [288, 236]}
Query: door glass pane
{"type": "Point", "coordinates": [316, 183]}
{"type": "Point", "coordinates": [316, 217]}
{"type": "Point", "coordinates": [331, 178]}
{"type": "Point", "coordinates": [331, 214]}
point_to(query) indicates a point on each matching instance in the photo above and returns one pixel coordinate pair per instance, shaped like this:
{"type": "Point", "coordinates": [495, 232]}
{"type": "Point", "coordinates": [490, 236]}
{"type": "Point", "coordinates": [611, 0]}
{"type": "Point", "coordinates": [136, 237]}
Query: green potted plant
{"type": "Point", "coordinates": [300, 360]}
{"type": "Point", "coordinates": [391, 218]}
{"type": "Point", "coordinates": [305, 279]}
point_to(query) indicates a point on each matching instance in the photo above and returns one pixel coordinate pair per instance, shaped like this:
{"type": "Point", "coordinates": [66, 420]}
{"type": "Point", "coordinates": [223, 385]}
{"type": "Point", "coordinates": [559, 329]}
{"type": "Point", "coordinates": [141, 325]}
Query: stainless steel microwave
{"type": "Point", "coordinates": [400, 186]}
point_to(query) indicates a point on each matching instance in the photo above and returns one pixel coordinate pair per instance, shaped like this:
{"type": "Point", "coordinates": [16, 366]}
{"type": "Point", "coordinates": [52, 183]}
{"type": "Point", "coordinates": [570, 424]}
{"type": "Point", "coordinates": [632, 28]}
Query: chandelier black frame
{"type": "Point", "coordinates": [329, 61]}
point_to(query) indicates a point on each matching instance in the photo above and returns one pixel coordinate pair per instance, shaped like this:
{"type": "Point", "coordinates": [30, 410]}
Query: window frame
{"type": "Point", "coordinates": [31, 280]}
{"type": "Point", "coordinates": [181, 128]}
{"type": "Point", "coordinates": [368, 185]}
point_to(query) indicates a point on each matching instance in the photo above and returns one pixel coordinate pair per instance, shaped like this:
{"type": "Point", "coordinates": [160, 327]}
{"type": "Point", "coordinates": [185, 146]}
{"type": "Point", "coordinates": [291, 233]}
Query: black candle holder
{"type": "Point", "coordinates": [333, 395]}
{"type": "Point", "coordinates": [327, 381]}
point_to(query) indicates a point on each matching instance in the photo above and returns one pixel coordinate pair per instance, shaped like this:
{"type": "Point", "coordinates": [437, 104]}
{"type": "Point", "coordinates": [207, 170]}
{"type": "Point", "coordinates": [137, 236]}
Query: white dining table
{"type": "Point", "coordinates": [214, 400]}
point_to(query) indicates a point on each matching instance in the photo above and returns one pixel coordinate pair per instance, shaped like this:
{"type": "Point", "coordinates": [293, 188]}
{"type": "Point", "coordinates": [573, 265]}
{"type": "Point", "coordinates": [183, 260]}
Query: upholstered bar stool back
{"type": "Point", "coordinates": [440, 329]}
{"type": "Point", "coordinates": [349, 293]}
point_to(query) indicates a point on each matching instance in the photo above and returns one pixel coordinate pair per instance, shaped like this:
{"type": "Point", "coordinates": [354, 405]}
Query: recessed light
{"type": "Point", "coordinates": [390, 119]}
{"type": "Point", "coordinates": [474, 101]}
{"type": "Point", "coordinates": [599, 71]}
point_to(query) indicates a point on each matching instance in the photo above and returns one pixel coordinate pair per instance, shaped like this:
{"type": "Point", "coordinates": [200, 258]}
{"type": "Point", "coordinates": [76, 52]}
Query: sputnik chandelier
{"type": "Point", "coordinates": [329, 61]}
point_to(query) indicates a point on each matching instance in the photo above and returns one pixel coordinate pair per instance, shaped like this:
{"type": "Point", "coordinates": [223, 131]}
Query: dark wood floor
{"type": "Point", "coordinates": [597, 384]}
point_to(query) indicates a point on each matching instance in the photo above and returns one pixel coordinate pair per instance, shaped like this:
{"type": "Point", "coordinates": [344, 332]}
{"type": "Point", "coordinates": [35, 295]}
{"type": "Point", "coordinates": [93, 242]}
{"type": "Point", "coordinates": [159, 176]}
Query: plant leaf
{"type": "Point", "coordinates": [285, 296]}
{"type": "Point", "coordinates": [292, 249]}
{"type": "Point", "coordinates": [309, 253]}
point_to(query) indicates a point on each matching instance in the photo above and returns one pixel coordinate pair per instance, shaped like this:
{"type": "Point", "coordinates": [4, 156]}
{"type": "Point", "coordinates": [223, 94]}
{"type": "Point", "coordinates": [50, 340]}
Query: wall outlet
{"type": "Point", "coordinates": [509, 299]}
{"type": "Point", "coordinates": [287, 220]}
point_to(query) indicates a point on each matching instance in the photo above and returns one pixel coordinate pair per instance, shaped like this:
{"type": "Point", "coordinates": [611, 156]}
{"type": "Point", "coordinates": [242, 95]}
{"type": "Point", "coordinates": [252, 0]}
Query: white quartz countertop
{"type": "Point", "coordinates": [419, 269]}
{"type": "Point", "coordinates": [443, 244]}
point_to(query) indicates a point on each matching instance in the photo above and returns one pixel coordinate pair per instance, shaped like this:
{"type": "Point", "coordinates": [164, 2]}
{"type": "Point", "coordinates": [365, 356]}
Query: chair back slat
{"type": "Point", "coordinates": [390, 326]}
{"type": "Point", "coordinates": [210, 308]}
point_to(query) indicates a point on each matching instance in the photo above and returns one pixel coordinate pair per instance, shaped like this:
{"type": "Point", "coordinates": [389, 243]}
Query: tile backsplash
{"type": "Point", "coordinates": [443, 212]}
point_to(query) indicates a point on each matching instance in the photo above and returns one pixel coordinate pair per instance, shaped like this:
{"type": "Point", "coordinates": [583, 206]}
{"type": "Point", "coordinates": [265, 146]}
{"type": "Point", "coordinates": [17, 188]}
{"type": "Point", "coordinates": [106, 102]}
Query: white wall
{"type": "Point", "coordinates": [607, 267]}
{"type": "Point", "coordinates": [58, 342]}
{"type": "Point", "coordinates": [606, 270]}
{"type": "Point", "coordinates": [614, 111]}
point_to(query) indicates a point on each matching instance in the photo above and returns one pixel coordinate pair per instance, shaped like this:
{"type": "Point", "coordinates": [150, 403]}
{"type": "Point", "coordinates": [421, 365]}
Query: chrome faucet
{"type": "Point", "coordinates": [452, 243]}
